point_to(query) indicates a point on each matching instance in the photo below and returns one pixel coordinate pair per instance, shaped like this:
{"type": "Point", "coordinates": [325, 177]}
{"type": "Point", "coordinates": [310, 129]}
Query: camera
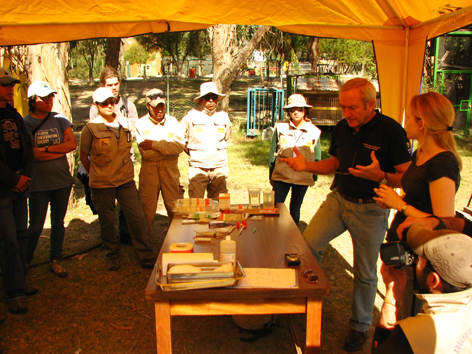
{"type": "Point", "coordinates": [397, 254]}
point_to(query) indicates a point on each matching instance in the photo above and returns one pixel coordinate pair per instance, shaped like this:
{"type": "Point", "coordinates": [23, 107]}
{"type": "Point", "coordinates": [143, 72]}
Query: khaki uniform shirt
{"type": "Point", "coordinates": [110, 157]}
{"type": "Point", "coordinates": [207, 138]}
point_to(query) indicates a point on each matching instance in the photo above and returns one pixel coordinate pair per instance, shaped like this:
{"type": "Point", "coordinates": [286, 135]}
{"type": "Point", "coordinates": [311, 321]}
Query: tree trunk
{"type": "Point", "coordinates": [48, 62]}
{"type": "Point", "coordinates": [112, 54]}
{"type": "Point", "coordinates": [313, 53]}
{"type": "Point", "coordinates": [229, 56]}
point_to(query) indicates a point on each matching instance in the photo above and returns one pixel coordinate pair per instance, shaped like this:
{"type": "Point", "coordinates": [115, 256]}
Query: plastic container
{"type": "Point", "coordinates": [268, 199]}
{"type": "Point", "coordinates": [228, 251]}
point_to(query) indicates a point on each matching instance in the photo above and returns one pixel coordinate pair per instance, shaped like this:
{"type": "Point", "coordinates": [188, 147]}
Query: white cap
{"type": "Point", "coordinates": [102, 94]}
{"type": "Point", "coordinates": [40, 88]}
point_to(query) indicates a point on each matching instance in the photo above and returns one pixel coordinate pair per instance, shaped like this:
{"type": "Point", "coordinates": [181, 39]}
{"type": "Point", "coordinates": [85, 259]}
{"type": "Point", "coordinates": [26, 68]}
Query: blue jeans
{"type": "Point", "coordinates": [38, 208]}
{"type": "Point", "coordinates": [367, 224]}
{"type": "Point", "coordinates": [298, 193]}
{"type": "Point", "coordinates": [13, 242]}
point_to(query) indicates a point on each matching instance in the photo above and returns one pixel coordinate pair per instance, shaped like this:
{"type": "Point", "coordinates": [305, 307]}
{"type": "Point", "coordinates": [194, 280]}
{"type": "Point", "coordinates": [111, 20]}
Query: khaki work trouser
{"type": "Point", "coordinates": [213, 180]}
{"type": "Point", "coordinates": [159, 177]}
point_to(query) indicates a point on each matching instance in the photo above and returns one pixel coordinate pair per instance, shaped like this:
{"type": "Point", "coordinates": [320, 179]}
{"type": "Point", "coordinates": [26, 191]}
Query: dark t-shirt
{"type": "Point", "coordinates": [390, 342]}
{"type": "Point", "coordinates": [416, 180]}
{"type": "Point", "coordinates": [11, 136]}
{"type": "Point", "coordinates": [381, 134]}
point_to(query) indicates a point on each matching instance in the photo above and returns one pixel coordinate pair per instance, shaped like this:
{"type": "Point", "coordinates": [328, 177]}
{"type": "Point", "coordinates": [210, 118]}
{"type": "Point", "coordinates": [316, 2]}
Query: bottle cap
{"type": "Point", "coordinates": [228, 238]}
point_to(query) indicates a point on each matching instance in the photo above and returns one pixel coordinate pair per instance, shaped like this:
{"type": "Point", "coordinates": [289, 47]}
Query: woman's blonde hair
{"type": "Point", "coordinates": [438, 115]}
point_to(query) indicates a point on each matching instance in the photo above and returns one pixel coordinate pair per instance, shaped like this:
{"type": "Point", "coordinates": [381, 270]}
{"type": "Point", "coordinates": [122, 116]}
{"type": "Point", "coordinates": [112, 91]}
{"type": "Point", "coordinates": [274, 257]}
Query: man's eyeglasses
{"type": "Point", "coordinates": [12, 84]}
{"type": "Point", "coordinates": [106, 103]}
{"type": "Point", "coordinates": [295, 109]}
{"type": "Point", "coordinates": [211, 96]}
{"type": "Point", "coordinates": [155, 96]}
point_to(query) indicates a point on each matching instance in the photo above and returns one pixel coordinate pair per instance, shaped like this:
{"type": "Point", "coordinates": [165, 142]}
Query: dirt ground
{"type": "Point", "coordinates": [97, 311]}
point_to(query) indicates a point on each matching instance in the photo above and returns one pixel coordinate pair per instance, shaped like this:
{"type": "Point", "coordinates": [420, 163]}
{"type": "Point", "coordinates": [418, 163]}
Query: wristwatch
{"type": "Point", "coordinates": [385, 179]}
{"type": "Point", "coordinates": [46, 148]}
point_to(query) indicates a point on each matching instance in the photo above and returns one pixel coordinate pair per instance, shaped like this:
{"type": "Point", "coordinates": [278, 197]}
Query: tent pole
{"type": "Point", "coordinates": [405, 69]}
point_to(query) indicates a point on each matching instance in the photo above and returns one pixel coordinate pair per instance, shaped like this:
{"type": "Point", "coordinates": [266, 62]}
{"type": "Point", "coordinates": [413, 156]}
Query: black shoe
{"type": "Point", "coordinates": [149, 264]}
{"type": "Point", "coordinates": [3, 317]}
{"type": "Point", "coordinates": [113, 265]}
{"type": "Point", "coordinates": [355, 341]}
{"type": "Point", "coordinates": [31, 290]}
{"type": "Point", "coordinates": [17, 305]}
{"type": "Point", "coordinates": [251, 335]}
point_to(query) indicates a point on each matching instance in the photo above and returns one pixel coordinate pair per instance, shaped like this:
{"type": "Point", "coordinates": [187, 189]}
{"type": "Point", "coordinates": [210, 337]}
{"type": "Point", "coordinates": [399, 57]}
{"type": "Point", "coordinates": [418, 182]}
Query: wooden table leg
{"type": "Point", "coordinates": [163, 330]}
{"type": "Point", "coordinates": [313, 325]}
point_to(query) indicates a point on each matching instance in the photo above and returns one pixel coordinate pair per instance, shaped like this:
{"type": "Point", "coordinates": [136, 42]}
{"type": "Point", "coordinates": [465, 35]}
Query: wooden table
{"type": "Point", "coordinates": [265, 248]}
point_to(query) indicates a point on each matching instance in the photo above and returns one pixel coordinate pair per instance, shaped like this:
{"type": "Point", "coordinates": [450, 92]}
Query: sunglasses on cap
{"type": "Point", "coordinates": [210, 96]}
{"type": "Point", "coordinates": [110, 101]}
{"type": "Point", "coordinates": [12, 84]}
{"type": "Point", "coordinates": [155, 96]}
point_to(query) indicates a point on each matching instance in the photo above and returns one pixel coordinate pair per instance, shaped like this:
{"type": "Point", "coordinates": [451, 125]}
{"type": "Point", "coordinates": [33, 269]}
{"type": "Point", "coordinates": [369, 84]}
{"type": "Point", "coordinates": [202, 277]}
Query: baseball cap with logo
{"type": "Point", "coordinates": [40, 88]}
{"type": "Point", "coordinates": [6, 78]}
{"type": "Point", "coordinates": [154, 97]}
{"type": "Point", "coordinates": [448, 251]}
{"type": "Point", "coordinates": [101, 95]}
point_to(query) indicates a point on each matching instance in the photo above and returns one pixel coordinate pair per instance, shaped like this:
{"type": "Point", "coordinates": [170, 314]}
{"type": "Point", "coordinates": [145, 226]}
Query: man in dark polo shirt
{"type": "Point", "coordinates": [363, 138]}
{"type": "Point", "coordinates": [16, 168]}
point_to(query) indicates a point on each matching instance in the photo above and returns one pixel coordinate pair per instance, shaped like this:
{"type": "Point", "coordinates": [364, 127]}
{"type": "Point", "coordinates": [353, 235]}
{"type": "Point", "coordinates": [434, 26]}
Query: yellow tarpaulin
{"type": "Point", "coordinates": [399, 29]}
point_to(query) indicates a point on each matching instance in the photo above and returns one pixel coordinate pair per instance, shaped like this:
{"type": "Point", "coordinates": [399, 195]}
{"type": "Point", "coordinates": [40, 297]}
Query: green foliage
{"type": "Point", "coordinates": [349, 55]}
{"type": "Point", "coordinates": [136, 54]}
{"type": "Point", "coordinates": [86, 58]}
{"type": "Point", "coordinates": [178, 45]}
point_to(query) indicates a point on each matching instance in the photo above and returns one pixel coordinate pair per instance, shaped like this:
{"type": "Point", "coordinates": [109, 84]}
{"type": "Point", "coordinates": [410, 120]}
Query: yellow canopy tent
{"type": "Point", "coordinates": [399, 29]}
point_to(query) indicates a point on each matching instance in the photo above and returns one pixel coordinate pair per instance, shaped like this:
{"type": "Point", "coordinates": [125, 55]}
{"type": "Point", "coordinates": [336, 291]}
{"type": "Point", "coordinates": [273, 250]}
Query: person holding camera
{"type": "Point", "coordinates": [444, 282]}
{"type": "Point", "coordinates": [432, 179]}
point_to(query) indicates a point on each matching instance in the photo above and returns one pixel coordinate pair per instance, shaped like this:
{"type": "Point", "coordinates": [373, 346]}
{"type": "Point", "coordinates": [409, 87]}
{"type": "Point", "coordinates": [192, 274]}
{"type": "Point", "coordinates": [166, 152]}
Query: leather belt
{"type": "Point", "coordinates": [358, 200]}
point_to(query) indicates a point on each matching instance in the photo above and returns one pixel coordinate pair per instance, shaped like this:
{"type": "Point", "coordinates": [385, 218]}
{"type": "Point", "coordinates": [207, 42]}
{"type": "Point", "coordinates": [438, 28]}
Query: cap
{"type": "Point", "coordinates": [102, 94]}
{"type": "Point", "coordinates": [154, 97]}
{"type": "Point", "coordinates": [448, 251]}
{"type": "Point", "coordinates": [40, 88]}
{"type": "Point", "coordinates": [206, 88]}
{"type": "Point", "coordinates": [296, 100]}
{"type": "Point", "coordinates": [6, 78]}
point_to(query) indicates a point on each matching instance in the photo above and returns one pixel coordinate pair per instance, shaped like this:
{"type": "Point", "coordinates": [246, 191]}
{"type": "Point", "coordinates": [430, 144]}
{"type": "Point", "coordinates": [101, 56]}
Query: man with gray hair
{"type": "Point", "coordinates": [444, 283]}
{"type": "Point", "coordinates": [363, 136]}
{"type": "Point", "coordinates": [206, 133]}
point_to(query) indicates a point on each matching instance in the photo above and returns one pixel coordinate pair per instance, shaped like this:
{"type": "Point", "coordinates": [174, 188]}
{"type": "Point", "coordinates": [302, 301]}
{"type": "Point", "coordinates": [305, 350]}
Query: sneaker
{"type": "Point", "coordinates": [113, 265]}
{"type": "Point", "coordinates": [31, 290]}
{"type": "Point", "coordinates": [57, 268]}
{"type": "Point", "coordinates": [355, 341]}
{"type": "Point", "coordinates": [17, 305]}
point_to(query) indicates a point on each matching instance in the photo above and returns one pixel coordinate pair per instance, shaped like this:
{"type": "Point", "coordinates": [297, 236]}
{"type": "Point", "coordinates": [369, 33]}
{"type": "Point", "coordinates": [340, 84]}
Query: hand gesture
{"type": "Point", "coordinates": [146, 145]}
{"type": "Point", "coordinates": [22, 184]}
{"type": "Point", "coordinates": [394, 279]}
{"type": "Point", "coordinates": [370, 172]}
{"type": "Point", "coordinates": [388, 197]}
{"type": "Point", "coordinates": [427, 223]}
{"type": "Point", "coordinates": [297, 163]}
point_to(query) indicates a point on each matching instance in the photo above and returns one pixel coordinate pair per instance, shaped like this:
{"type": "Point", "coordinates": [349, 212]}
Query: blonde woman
{"type": "Point", "coordinates": [432, 179]}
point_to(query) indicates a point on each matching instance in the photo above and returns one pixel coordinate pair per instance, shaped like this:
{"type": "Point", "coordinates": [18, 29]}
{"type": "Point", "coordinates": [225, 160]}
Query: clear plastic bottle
{"type": "Point", "coordinates": [228, 251]}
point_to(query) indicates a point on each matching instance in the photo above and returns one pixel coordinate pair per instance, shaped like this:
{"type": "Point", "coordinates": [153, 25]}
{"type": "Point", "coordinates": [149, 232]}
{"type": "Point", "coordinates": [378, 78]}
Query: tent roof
{"type": "Point", "coordinates": [399, 29]}
{"type": "Point", "coordinates": [40, 21]}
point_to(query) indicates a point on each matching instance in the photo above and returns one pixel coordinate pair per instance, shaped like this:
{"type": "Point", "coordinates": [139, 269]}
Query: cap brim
{"type": "Point", "coordinates": [157, 102]}
{"type": "Point", "coordinates": [417, 236]}
{"type": "Point", "coordinates": [9, 80]}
